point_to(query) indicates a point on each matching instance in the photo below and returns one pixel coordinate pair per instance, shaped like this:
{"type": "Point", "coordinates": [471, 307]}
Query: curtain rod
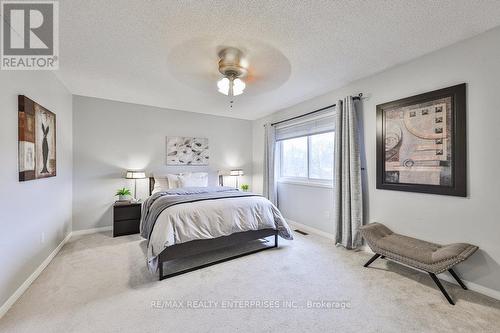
{"type": "Point", "coordinates": [360, 95]}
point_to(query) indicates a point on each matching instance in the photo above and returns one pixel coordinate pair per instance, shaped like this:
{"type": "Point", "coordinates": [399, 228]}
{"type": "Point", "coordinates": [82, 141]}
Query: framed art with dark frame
{"type": "Point", "coordinates": [37, 140]}
{"type": "Point", "coordinates": [421, 143]}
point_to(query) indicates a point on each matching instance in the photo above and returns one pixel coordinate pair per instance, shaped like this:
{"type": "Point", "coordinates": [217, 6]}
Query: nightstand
{"type": "Point", "coordinates": [126, 218]}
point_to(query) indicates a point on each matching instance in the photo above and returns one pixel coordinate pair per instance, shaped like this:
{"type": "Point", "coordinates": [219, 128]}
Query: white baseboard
{"type": "Point", "coordinates": [448, 278]}
{"type": "Point", "coordinates": [473, 286]}
{"type": "Point", "coordinates": [90, 231]}
{"type": "Point", "coordinates": [365, 248]}
{"type": "Point", "coordinates": [18, 293]}
{"type": "Point", "coordinates": [312, 230]}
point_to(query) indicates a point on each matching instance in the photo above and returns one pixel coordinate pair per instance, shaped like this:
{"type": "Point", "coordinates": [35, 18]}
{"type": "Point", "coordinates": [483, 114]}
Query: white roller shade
{"type": "Point", "coordinates": [309, 125]}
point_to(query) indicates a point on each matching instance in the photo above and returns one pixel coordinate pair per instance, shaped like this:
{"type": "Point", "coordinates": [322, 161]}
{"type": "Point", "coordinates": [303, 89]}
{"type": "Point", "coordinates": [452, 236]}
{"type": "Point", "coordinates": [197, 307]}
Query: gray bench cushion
{"type": "Point", "coordinates": [430, 257]}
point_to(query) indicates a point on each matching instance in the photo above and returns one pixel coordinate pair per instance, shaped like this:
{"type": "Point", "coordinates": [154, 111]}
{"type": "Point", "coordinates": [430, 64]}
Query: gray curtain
{"type": "Point", "coordinates": [270, 190]}
{"type": "Point", "coordinates": [348, 212]}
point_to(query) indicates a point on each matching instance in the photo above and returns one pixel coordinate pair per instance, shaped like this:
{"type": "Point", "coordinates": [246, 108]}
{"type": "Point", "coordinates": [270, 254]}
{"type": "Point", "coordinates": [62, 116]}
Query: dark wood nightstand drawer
{"type": "Point", "coordinates": [126, 218]}
{"type": "Point", "coordinates": [127, 212]}
{"type": "Point", "coordinates": [126, 227]}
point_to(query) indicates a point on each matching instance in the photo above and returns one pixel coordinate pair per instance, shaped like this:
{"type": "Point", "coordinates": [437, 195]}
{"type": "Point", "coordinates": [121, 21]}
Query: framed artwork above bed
{"type": "Point", "coordinates": [421, 143]}
{"type": "Point", "coordinates": [182, 150]}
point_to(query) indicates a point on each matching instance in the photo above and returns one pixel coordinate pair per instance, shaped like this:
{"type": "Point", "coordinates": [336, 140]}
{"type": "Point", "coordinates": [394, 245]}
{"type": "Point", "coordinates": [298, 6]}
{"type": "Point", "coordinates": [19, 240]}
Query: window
{"type": "Point", "coordinates": [308, 158]}
{"type": "Point", "coordinates": [321, 156]}
{"type": "Point", "coordinates": [305, 149]}
{"type": "Point", "coordinates": [294, 157]}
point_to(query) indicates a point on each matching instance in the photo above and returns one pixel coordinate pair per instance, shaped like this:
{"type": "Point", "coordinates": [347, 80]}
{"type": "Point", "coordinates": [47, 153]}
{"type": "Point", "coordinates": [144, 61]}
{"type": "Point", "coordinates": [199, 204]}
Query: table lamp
{"type": "Point", "coordinates": [236, 173]}
{"type": "Point", "coordinates": [135, 174]}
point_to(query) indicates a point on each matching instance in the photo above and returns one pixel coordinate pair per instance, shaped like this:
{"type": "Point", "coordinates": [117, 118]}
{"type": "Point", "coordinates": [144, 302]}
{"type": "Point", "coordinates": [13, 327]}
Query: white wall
{"type": "Point", "coordinates": [293, 198]}
{"type": "Point", "coordinates": [110, 137]}
{"type": "Point", "coordinates": [30, 209]}
{"type": "Point", "coordinates": [442, 219]}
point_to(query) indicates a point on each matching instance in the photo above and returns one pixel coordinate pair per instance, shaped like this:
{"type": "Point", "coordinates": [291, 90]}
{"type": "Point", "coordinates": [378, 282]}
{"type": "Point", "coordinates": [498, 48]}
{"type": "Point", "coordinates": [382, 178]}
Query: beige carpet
{"type": "Point", "coordinates": [100, 284]}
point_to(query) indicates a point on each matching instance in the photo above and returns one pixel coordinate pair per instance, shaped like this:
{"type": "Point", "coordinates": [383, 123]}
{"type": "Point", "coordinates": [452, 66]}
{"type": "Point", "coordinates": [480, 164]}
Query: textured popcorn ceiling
{"type": "Point", "coordinates": [163, 53]}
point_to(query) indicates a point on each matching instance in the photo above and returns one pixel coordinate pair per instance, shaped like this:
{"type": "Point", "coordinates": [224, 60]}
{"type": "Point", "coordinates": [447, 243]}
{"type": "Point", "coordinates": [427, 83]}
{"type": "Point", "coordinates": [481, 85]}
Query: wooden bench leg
{"type": "Point", "coordinates": [445, 293]}
{"type": "Point", "coordinates": [455, 276]}
{"type": "Point", "coordinates": [372, 259]}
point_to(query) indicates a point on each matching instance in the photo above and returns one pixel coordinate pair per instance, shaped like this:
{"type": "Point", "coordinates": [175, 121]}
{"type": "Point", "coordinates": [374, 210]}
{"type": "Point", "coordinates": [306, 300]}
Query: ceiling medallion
{"type": "Point", "coordinates": [234, 67]}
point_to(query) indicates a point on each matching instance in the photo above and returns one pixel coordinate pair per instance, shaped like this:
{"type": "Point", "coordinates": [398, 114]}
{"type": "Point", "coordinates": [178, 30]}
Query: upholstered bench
{"type": "Point", "coordinates": [429, 257]}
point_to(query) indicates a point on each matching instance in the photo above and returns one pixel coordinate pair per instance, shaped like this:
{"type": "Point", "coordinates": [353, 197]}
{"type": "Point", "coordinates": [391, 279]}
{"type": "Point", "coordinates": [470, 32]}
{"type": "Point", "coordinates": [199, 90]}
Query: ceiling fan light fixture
{"type": "Point", "coordinates": [238, 87]}
{"type": "Point", "coordinates": [232, 65]}
{"type": "Point", "coordinates": [223, 85]}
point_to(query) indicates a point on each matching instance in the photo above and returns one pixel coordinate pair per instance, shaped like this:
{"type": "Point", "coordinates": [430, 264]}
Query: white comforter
{"type": "Point", "coordinates": [213, 218]}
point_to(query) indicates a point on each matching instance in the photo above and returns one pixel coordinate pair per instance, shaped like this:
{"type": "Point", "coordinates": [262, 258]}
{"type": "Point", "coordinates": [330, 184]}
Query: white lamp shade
{"type": "Point", "coordinates": [236, 172]}
{"type": "Point", "coordinates": [135, 174]}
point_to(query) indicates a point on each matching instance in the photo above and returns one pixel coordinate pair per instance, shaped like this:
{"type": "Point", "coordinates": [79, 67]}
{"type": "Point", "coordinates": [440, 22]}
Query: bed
{"type": "Point", "coordinates": [185, 221]}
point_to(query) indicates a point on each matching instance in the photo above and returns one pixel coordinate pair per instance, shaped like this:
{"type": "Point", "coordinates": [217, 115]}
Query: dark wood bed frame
{"type": "Point", "coordinates": [196, 247]}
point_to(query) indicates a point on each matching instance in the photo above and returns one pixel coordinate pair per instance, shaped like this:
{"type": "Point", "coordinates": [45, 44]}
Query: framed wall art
{"type": "Point", "coordinates": [37, 140]}
{"type": "Point", "coordinates": [187, 151]}
{"type": "Point", "coordinates": [421, 143]}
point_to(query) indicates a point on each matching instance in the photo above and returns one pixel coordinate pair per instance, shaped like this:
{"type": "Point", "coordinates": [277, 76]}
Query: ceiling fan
{"type": "Point", "coordinates": [234, 67]}
{"type": "Point", "coordinates": [230, 67]}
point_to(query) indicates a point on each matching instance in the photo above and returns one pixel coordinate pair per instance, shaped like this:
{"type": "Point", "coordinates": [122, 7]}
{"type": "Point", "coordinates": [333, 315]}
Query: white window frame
{"type": "Point", "coordinates": [303, 181]}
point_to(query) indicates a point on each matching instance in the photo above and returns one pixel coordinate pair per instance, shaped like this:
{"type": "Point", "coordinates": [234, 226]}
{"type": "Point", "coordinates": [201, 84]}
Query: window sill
{"type": "Point", "coordinates": [305, 183]}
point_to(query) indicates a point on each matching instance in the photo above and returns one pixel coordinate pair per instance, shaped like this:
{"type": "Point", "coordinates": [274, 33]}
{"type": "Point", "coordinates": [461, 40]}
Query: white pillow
{"type": "Point", "coordinates": [173, 181]}
{"type": "Point", "coordinates": [195, 179]}
{"type": "Point", "coordinates": [161, 184]}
